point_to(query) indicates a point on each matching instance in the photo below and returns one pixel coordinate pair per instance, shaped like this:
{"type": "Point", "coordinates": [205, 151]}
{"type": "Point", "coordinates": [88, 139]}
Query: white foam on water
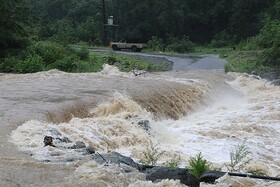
{"type": "Point", "coordinates": [248, 112]}
{"type": "Point", "coordinates": [112, 125]}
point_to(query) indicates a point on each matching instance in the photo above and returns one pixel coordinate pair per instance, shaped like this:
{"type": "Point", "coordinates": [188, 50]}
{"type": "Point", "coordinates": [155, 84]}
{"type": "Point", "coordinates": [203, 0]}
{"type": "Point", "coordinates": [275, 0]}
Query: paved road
{"type": "Point", "coordinates": [180, 62]}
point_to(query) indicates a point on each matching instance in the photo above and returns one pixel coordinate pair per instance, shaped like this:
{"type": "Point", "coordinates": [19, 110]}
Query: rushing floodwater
{"type": "Point", "coordinates": [189, 112]}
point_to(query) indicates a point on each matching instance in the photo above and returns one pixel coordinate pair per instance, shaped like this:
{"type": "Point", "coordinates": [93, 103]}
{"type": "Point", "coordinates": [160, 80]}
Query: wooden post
{"type": "Point", "coordinates": [104, 23]}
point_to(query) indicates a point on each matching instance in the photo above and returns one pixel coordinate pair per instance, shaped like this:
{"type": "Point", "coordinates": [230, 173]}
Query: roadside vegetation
{"type": "Point", "coordinates": [46, 55]}
{"type": "Point", "coordinates": [38, 34]}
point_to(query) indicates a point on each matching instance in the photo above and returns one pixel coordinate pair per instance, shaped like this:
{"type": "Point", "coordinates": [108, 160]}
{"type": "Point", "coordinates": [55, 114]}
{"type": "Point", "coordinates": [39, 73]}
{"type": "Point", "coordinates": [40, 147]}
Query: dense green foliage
{"type": "Point", "coordinates": [201, 20]}
{"type": "Point", "coordinates": [269, 37]}
{"type": "Point", "coordinates": [50, 55]}
{"type": "Point", "coordinates": [15, 22]}
{"type": "Point", "coordinates": [166, 25]}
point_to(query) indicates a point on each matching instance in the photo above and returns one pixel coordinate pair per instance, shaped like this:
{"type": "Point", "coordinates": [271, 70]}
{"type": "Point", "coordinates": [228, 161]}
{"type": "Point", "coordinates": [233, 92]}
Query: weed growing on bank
{"type": "Point", "coordinates": [238, 158]}
{"type": "Point", "coordinates": [198, 165]}
{"type": "Point", "coordinates": [174, 162]}
{"type": "Point", "coordinates": [151, 155]}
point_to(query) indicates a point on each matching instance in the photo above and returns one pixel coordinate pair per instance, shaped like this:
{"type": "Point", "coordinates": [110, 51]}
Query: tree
{"type": "Point", "coordinates": [269, 37]}
{"type": "Point", "coordinates": [15, 22]}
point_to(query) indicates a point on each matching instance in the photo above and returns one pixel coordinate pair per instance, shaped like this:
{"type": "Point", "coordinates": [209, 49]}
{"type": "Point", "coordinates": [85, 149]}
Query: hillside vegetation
{"type": "Point", "coordinates": [165, 25]}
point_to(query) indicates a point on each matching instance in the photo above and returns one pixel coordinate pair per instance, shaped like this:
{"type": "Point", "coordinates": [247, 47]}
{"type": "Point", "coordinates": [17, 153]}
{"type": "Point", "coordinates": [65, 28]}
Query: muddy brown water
{"type": "Point", "coordinates": [167, 96]}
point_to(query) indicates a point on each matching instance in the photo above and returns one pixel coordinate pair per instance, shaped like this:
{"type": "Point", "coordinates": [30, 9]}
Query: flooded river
{"type": "Point", "coordinates": [188, 112]}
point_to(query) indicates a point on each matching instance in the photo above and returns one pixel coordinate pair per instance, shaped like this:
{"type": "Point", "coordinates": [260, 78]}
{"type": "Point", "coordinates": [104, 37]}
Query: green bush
{"type": "Point", "coordinates": [68, 64]}
{"type": "Point", "coordinates": [32, 64]}
{"type": "Point", "coordinates": [180, 45]}
{"type": "Point", "coordinates": [8, 64]}
{"type": "Point", "coordinates": [221, 40]}
{"type": "Point", "coordinates": [49, 51]}
{"type": "Point", "coordinates": [89, 31]}
{"type": "Point", "coordinates": [155, 44]}
{"type": "Point", "coordinates": [269, 40]}
{"type": "Point", "coordinates": [83, 53]}
{"type": "Point", "coordinates": [64, 31]}
{"type": "Point", "coordinates": [198, 165]}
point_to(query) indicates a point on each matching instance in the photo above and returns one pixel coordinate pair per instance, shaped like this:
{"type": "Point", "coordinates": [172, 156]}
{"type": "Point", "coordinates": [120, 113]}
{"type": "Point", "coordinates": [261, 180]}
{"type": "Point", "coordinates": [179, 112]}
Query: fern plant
{"type": "Point", "coordinates": [198, 165]}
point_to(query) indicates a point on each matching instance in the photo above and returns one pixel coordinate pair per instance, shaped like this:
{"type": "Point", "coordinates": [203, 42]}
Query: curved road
{"type": "Point", "coordinates": [180, 62]}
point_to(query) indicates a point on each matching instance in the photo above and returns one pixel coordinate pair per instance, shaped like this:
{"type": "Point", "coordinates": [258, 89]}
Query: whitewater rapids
{"type": "Point", "coordinates": [189, 112]}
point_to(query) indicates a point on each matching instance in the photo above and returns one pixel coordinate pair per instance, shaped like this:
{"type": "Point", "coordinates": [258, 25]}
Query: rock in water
{"type": "Point", "coordinates": [115, 158]}
{"type": "Point", "coordinates": [90, 150]}
{"type": "Point", "coordinates": [48, 141]}
{"type": "Point", "coordinates": [275, 82]}
{"type": "Point", "coordinates": [153, 173]}
{"type": "Point", "coordinates": [144, 124]}
{"type": "Point", "coordinates": [159, 173]}
{"type": "Point", "coordinates": [78, 145]}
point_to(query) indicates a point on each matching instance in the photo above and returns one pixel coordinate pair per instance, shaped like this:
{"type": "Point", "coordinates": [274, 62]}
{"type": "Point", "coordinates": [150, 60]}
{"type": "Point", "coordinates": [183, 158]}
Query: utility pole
{"type": "Point", "coordinates": [104, 23]}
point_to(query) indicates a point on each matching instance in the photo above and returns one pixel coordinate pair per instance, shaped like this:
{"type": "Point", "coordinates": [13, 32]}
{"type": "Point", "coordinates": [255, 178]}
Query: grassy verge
{"type": "Point", "coordinates": [239, 60]}
{"type": "Point", "coordinates": [127, 63]}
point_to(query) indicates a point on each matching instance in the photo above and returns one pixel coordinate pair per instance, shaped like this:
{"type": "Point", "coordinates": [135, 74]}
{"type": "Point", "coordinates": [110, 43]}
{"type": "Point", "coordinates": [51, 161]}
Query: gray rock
{"type": "Point", "coordinates": [48, 141]}
{"type": "Point", "coordinates": [254, 73]}
{"type": "Point", "coordinates": [270, 76]}
{"type": "Point", "coordinates": [275, 82]}
{"type": "Point", "coordinates": [255, 77]}
{"type": "Point", "coordinates": [90, 150]}
{"type": "Point", "coordinates": [115, 158]}
{"type": "Point", "coordinates": [55, 132]}
{"type": "Point", "coordinates": [64, 140]}
{"type": "Point", "coordinates": [159, 173]}
{"type": "Point", "coordinates": [78, 145]}
{"type": "Point", "coordinates": [153, 173]}
{"type": "Point", "coordinates": [145, 124]}
{"type": "Point", "coordinates": [58, 136]}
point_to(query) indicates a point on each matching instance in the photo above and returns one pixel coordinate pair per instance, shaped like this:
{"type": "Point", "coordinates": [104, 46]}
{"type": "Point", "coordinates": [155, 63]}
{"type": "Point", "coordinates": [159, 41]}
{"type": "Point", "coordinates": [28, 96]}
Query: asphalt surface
{"type": "Point", "coordinates": [179, 62]}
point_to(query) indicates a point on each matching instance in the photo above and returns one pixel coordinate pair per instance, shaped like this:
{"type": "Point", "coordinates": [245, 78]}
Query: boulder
{"type": "Point", "coordinates": [270, 76]}
{"type": "Point", "coordinates": [58, 136]}
{"type": "Point", "coordinates": [89, 150]}
{"type": "Point", "coordinates": [48, 141]}
{"type": "Point", "coordinates": [78, 145]}
{"type": "Point", "coordinates": [275, 82]}
{"type": "Point", "coordinates": [211, 176]}
{"type": "Point", "coordinates": [153, 173]}
{"type": "Point", "coordinates": [115, 158]}
{"type": "Point", "coordinates": [145, 124]}
{"type": "Point", "coordinates": [159, 173]}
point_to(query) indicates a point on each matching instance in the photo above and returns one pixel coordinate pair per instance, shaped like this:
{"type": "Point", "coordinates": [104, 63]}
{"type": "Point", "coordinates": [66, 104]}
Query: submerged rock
{"type": "Point", "coordinates": [58, 136]}
{"type": "Point", "coordinates": [275, 82]}
{"type": "Point", "coordinates": [270, 76]}
{"type": "Point", "coordinates": [89, 150]}
{"type": "Point", "coordinates": [55, 132]}
{"type": "Point", "coordinates": [145, 124]}
{"type": "Point", "coordinates": [78, 145]}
